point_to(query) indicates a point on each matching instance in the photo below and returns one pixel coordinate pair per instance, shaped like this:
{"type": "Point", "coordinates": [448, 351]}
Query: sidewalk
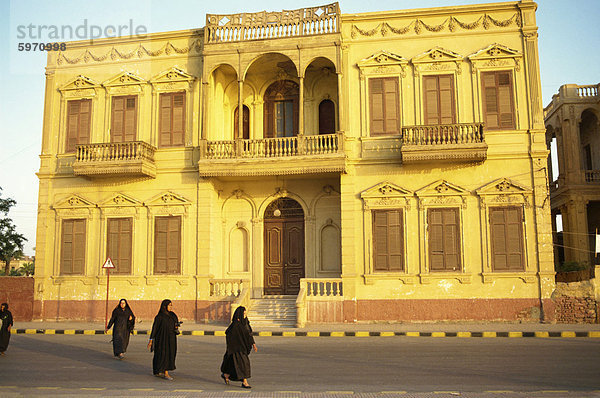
{"type": "Point", "coordinates": [438, 329]}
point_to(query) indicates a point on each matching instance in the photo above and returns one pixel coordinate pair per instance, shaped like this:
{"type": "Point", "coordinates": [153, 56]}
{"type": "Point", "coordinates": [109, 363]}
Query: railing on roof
{"type": "Point", "coordinates": [272, 25]}
{"type": "Point", "coordinates": [588, 90]}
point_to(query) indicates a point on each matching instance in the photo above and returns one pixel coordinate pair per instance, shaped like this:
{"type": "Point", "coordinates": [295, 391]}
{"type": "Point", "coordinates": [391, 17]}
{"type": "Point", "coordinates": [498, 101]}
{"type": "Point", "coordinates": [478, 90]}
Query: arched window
{"type": "Point", "coordinates": [326, 117]}
{"type": "Point", "coordinates": [245, 122]}
{"type": "Point", "coordinates": [281, 109]}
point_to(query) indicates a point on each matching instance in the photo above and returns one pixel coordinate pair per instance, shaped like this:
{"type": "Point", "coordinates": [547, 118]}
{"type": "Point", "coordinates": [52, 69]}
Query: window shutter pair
{"type": "Point", "coordinates": [498, 100]}
{"type": "Point", "coordinates": [72, 259]}
{"type": "Point", "coordinates": [124, 119]}
{"type": "Point", "coordinates": [172, 119]}
{"type": "Point", "coordinates": [506, 230]}
{"type": "Point", "coordinates": [78, 123]}
{"type": "Point", "coordinates": [119, 242]}
{"type": "Point", "coordinates": [388, 240]}
{"type": "Point", "coordinates": [384, 106]}
{"type": "Point", "coordinates": [167, 245]}
{"type": "Point", "coordinates": [439, 100]}
{"type": "Point", "coordinates": [444, 239]}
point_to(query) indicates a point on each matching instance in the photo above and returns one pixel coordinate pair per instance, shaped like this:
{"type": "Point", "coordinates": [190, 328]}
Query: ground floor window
{"type": "Point", "coordinates": [72, 247]}
{"type": "Point", "coordinates": [167, 245]}
{"type": "Point", "coordinates": [444, 239]}
{"type": "Point", "coordinates": [118, 245]}
{"type": "Point", "coordinates": [388, 240]}
{"type": "Point", "coordinates": [506, 236]}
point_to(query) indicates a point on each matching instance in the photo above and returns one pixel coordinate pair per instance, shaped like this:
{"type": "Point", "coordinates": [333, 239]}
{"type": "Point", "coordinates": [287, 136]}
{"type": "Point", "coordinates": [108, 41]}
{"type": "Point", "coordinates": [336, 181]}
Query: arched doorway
{"type": "Point", "coordinates": [281, 109]}
{"type": "Point", "coordinates": [284, 247]}
{"type": "Point", "coordinates": [245, 123]}
{"type": "Point", "coordinates": [326, 117]}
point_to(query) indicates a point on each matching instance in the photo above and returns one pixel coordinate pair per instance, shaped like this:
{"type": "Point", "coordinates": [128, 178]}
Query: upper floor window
{"type": "Point", "coordinates": [326, 117]}
{"type": "Point", "coordinates": [172, 119]}
{"type": "Point", "coordinates": [72, 247]}
{"type": "Point", "coordinates": [498, 103]}
{"type": "Point", "coordinates": [281, 109]}
{"type": "Point", "coordinates": [245, 123]}
{"type": "Point", "coordinates": [78, 123]}
{"type": "Point", "coordinates": [384, 106]}
{"type": "Point", "coordinates": [123, 119]}
{"type": "Point", "coordinates": [438, 92]}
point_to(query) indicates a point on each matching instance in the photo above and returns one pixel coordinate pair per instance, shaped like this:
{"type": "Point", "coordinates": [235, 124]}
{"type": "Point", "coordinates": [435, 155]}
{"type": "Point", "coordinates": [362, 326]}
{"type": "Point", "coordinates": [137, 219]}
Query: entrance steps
{"type": "Point", "coordinates": [272, 312]}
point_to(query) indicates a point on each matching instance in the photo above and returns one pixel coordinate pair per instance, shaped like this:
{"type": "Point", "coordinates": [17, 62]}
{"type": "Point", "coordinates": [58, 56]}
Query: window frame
{"type": "Point", "coordinates": [156, 253]}
{"type": "Point", "coordinates": [124, 117]}
{"type": "Point", "coordinates": [370, 105]}
{"type": "Point", "coordinates": [493, 253]}
{"type": "Point", "coordinates": [63, 251]}
{"type": "Point", "coordinates": [402, 243]}
{"type": "Point", "coordinates": [453, 94]}
{"type": "Point", "coordinates": [484, 104]}
{"type": "Point", "coordinates": [116, 259]}
{"type": "Point", "coordinates": [171, 133]}
{"type": "Point", "coordinates": [69, 103]}
{"type": "Point", "coordinates": [458, 240]}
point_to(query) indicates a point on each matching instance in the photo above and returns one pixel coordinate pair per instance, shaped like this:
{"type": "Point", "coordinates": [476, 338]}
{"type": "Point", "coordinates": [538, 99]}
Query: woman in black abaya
{"type": "Point", "coordinates": [163, 340]}
{"type": "Point", "coordinates": [7, 322]}
{"type": "Point", "coordinates": [123, 320]}
{"type": "Point", "coordinates": [236, 364]}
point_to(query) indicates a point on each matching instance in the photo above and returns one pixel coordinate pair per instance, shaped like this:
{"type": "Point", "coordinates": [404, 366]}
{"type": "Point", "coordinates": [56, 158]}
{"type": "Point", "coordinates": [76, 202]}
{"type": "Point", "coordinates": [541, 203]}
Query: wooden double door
{"type": "Point", "coordinates": [284, 256]}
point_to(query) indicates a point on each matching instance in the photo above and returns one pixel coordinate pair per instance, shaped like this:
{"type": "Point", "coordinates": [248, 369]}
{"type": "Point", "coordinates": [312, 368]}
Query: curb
{"type": "Point", "coordinates": [540, 334]}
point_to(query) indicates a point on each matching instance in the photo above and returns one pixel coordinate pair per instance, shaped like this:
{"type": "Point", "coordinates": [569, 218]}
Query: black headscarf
{"type": "Point", "coordinates": [239, 333]}
{"type": "Point", "coordinates": [163, 306]}
{"type": "Point", "coordinates": [126, 305]}
{"type": "Point", "coordinates": [5, 305]}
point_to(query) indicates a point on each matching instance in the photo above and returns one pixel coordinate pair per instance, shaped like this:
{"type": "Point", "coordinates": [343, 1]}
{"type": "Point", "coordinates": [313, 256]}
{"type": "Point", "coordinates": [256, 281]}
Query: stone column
{"type": "Point", "coordinates": [575, 231]}
{"type": "Point", "coordinates": [301, 107]}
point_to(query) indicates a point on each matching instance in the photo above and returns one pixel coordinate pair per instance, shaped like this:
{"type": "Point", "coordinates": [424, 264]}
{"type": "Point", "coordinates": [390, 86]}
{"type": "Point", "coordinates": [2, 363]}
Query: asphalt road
{"type": "Point", "coordinates": [82, 365]}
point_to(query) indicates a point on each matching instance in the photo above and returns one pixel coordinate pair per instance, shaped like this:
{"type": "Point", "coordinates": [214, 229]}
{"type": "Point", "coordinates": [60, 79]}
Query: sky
{"type": "Point", "coordinates": [569, 34]}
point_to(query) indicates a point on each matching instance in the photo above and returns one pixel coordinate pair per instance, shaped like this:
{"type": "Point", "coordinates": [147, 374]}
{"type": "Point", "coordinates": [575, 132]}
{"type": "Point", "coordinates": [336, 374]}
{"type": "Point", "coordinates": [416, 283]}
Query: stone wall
{"type": "Point", "coordinates": [17, 291]}
{"type": "Point", "coordinates": [578, 302]}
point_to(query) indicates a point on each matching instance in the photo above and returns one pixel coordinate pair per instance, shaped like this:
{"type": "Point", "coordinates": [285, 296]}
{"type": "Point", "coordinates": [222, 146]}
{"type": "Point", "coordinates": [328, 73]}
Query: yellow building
{"type": "Point", "coordinates": [391, 166]}
{"type": "Point", "coordinates": [572, 119]}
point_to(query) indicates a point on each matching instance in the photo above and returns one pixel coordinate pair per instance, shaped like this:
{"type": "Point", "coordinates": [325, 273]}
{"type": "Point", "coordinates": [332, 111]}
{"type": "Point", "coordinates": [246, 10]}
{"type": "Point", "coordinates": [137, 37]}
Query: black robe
{"type": "Point", "coordinates": [7, 320]}
{"type": "Point", "coordinates": [239, 344]}
{"type": "Point", "coordinates": [164, 342]}
{"type": "Point", "coordinates": [123, 327]}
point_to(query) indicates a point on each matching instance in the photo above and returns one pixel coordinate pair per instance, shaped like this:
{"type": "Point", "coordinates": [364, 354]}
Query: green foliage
{"type": "Point", "coordinates": [27, 269]}
{"type": "Point", "coordinates": [11, 242]}
{"type": "Point", "coordinates": [569, 266]}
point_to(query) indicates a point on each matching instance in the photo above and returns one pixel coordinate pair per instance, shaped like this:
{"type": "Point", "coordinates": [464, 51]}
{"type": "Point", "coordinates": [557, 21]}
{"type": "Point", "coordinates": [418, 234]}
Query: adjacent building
{"type": "Point", "coordinates": [384, 166]}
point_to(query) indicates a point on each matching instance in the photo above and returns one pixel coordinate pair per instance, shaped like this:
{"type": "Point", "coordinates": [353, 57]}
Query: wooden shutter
{"type": "Point", "coordinates": [438, 92]}
{"type": "Point", "coordinates": [119, 238]}
{"type": "Point", "coordinates": [383, 105]}
{"type": "Point", "coordinates": [444, 239]}
{"type": "Point", "coordinates": [123, 119]}
{"type": "Point", "coordinates": [506, 236]}
{"type": "Point", "coordinates": [172, 119]}
{"type": "Point", "coordinates": [498, 104]}
{"type": "Point", "coordinates": [167, 245]}
{"type": "Point", "coordinates": [72, 258]}
{"type": "Point", "coordinates": [245, 123]}
{"type": "Point", "coordinates": [388, 240]}
{"type": "Point", "coordinates": [78, 123]}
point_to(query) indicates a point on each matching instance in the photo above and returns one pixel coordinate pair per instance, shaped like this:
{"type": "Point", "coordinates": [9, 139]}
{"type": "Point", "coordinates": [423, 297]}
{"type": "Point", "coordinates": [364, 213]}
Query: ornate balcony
{"type": "Point", "coordinates": [443, 143]}
{"type": "Point", "coordinates": [592, 176]}
{"type": "Point", "coordinates": [134, 158]}
{"type": "Point", "coordinates": [273, 156]}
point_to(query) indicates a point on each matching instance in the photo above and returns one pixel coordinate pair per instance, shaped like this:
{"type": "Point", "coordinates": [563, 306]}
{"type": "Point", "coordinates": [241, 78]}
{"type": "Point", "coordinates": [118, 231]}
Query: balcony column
{"type": "Point", "coordinates": [339, 102]}
{"type": "Point", "coordinates": [301, 108]}
{"type": "Point", "coordinates": [240, 121]}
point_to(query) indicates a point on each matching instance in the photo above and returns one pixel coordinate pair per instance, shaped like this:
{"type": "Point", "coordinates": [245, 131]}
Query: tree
{"type": "Point", "coordinates": [11, 242]}
{"type": "Point", "coordinates": [27, 269]}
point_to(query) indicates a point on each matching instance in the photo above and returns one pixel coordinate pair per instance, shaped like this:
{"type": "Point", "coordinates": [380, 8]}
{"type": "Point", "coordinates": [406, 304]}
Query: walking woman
{"type": "Point", "coordinates": [236, 364]}
{"type": "Point", "coordinates": [7, 322]}
{"type": "Point", "coordinates": [123, 320]}
{"type": "Point", "coordinates": [163, 340]}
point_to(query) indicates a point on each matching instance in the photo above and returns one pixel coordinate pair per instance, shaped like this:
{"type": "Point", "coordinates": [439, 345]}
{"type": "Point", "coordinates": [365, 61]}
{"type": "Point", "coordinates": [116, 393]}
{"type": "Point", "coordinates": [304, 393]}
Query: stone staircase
{"type": "Point", "coordinates": [272, 312]}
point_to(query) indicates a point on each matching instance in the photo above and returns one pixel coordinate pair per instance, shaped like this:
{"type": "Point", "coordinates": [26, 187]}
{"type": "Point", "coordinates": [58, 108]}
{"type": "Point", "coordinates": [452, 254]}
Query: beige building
{"type": "Point", "coordinates": [572, 120]}
{"type": "Point", "coordinates": [385, 166]}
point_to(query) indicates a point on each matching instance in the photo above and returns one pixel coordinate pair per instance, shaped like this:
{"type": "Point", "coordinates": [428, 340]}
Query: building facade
{"type": "Point", "coordinates": [385, 166]}
{"type": "Point", "coordinates": [572, 120]}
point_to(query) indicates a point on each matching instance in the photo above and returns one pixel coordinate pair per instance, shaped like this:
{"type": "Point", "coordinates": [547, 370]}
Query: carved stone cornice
{"type": "Point", "coordinates": [386, 195]}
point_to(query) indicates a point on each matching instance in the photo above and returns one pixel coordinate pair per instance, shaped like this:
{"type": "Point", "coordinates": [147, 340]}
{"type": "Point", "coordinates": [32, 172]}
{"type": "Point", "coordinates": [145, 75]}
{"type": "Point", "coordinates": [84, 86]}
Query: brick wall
{"type": "Point", "coordinates": [17, 291]}
{"type": "Point", "coordinates": [576, 309]}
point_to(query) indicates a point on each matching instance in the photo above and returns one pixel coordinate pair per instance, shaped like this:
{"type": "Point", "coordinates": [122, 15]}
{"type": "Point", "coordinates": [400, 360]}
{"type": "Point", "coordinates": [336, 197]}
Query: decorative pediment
{"type": "Point", "coordinates": [504, 192]}
{"type": "Point", "coordinates": [437, 54]}
{"type": "Point", "coordinates": [172, 75]}
{"type": "Point", "coordinates": [437, 59]}
{"type": "Point", "coordinates": [121, 200]}
{"type": "Point", "coordinates": [74, 202]}
{"type": "Point", "coordinates": [124, 79]}
{"type": "Point", "coordinates": [168, 199]}
{"type": "Point", "coordinates": [385, 195]}
{"type": "Point", "coordinates": [80, 83]}
{"type": "Point", "coordinates": [441, 187]}
{"type": "Point", "coordinates": [383, 62]}
{"type": "Point", "coordinates": [495, 55]}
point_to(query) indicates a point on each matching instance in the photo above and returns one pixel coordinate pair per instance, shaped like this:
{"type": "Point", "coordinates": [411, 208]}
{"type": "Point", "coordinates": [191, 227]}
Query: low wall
{"type": "Point", "coordinates": [17, 291]}
{"type": "Point", "coordinates": [577, 299]}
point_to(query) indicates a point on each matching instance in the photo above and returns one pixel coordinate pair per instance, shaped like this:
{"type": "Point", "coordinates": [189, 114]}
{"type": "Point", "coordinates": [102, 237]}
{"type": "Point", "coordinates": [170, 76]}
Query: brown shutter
{"type": "Point", "coordinates": [431, 94]}
{"type": "Point", "coordinates": [506, 230]}
{"type": "Point", "coordinates": [130, 119]}
{"type": "Point", "coordinates": [439, 99]}
{"type": "Point", "coordinates": [268, 119]}
{"type": "Point", "coordinates": [444, 239]}
{"type": "Point", "coordinates": [391, 106]}
{"type": "Point", "coordinates": [388, 240]}
{"type": "Point", "coordinates": [167, 245]}
{"type": "Point", "coordinates": [119, 238]}
{"type": "Point", "coordinates": [73, 247]}
{"type": "Point", "coordinates": [498, 100]}
{"type": "Point", "coordinates": [376, 102]}
{"type": "Point", "coordinates": [117, 129]}
{"type": "Point", "coordinates": [78, 123]}
{"type": "Point", "coordinates": [245, 123]}
{"type": "Point", "coordinates": [178, 129]}
{"type": "Point", "coordinates": [172, 119]}
{"type": "Point", "coordinates": [447, 108]}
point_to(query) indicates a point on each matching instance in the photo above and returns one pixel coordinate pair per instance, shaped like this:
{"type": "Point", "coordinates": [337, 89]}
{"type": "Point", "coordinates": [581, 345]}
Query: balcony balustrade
{"type": "Point", "coordinates": [287, 155]}
{"type": "Point", "coordinates": [592, 176]}
{"type": "Point", "coordinates": [444, 143]}
{"type": "Point", "coordinates": [134, 158]}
